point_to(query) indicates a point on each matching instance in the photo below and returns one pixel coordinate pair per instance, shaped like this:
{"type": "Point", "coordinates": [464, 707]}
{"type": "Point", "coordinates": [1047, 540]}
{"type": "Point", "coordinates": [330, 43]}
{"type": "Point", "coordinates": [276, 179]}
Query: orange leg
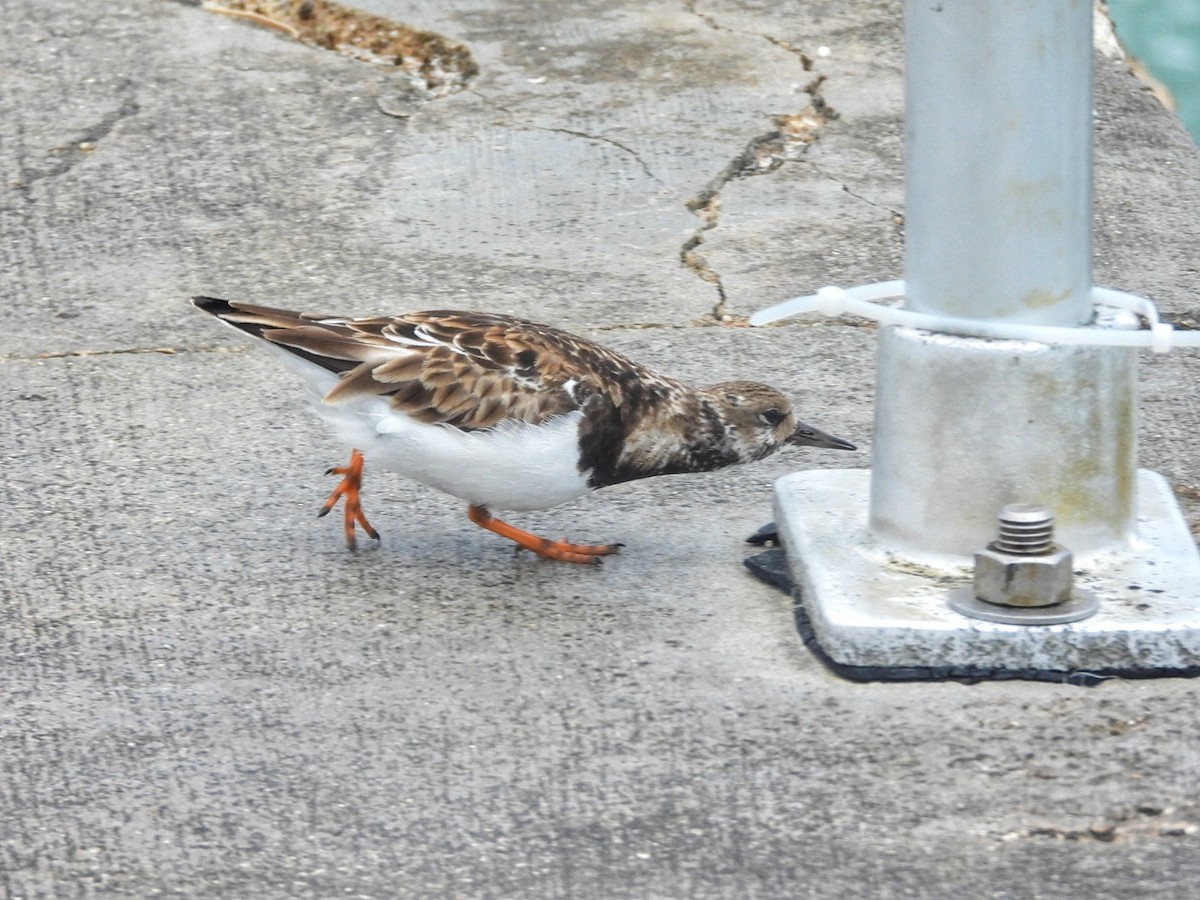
{"type": "Point", "coordinates": [349, 488]}
{"type": "Point", "coordinates": [561, 550]}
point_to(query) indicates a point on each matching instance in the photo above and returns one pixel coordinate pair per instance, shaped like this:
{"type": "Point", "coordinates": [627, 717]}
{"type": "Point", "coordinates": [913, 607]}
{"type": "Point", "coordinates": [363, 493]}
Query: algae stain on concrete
{"type": "Point", "coordinates": [438, 65]}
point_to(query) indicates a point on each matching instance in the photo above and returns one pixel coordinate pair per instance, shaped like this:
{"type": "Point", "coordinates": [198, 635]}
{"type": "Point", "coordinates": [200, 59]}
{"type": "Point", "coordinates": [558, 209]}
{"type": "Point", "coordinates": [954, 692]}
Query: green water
{"type": "Point", "coordinates": [1165, 36]}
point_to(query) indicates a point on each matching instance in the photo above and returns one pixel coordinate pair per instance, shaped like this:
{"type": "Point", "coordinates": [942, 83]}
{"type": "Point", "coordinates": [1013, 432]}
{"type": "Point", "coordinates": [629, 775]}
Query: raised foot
{"type": "Point", "coordinates": [587, 554]}
{"type": "Point", "coordinates": [349, 488]}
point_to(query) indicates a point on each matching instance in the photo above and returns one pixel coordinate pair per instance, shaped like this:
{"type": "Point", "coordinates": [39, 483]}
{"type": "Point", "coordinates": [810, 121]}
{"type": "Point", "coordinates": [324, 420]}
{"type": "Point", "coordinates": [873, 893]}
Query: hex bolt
{"type": "Point", "coordinates": [1023, 577]}
{"type": "Point", "coordinates": [1023, 566]}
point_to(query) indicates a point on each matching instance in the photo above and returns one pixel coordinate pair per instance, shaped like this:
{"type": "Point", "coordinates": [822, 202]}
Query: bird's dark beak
{"type": "Point", "coordinates": [807, 436]}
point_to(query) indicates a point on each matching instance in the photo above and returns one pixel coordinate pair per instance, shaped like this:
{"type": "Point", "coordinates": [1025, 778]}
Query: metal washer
{"type": "Point", "coordinates": [1081, 605]}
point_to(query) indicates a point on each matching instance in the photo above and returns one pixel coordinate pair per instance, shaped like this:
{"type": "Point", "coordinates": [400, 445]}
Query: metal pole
{"type": "Point", "coordinates": [998, 222]}
{"type": "Point", "coordinates": [998, 159]}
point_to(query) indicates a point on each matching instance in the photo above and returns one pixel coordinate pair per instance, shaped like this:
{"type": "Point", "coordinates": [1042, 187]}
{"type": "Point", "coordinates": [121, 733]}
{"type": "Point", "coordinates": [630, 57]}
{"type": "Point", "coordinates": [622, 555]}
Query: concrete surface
{"type": "Point", "coordinates": [204, 695]}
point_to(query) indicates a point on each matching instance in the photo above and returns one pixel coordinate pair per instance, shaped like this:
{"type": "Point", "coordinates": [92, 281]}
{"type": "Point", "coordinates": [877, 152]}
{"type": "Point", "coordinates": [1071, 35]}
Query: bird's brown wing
{"type": "Point", "coordinates": [466, 369]}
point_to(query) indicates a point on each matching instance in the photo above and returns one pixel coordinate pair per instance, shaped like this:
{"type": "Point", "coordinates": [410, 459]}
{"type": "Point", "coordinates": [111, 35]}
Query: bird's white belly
{"type": "Point", "coordinates": [512, 466]}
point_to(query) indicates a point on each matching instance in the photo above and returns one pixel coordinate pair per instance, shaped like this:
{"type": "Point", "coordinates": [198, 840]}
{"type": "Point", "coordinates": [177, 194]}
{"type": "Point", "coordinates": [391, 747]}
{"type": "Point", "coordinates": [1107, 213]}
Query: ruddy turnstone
{"type": "Point", "coordinates": [509, 414]}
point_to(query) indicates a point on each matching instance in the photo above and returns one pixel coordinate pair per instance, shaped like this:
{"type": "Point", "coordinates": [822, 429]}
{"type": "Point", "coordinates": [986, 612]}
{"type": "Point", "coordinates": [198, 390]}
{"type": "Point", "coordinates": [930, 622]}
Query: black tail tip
{"type": "Point", "coordinates": [212, 305]}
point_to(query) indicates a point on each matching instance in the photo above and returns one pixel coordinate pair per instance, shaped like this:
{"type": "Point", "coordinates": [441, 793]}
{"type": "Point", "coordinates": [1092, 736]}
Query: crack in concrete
{"type": "Point", "coordinates": [897, 215]}
{"type": "Point", "coordinates": [787, 142]}
{"type": "Point", "coordinates": [1144, 821]}
{"type": "Point", "coordinates": [707, 206]}
{"type": "Point", "coordinates": [120, 351]}
{"type": "Point", "coordinates": [640, 326]}
{"type": "Point", "coordinates": [707, 18]}
{"type": "Point", "coordinates": [805, 60]}
{"type": "Point", "coordinates": [574, 132]}
{"type": "Point", "coordinates": [604, 140]}
{"type": "Point", "coordinates": [80, 146]}
{"type": "Point", "coordinates": [711, 21]}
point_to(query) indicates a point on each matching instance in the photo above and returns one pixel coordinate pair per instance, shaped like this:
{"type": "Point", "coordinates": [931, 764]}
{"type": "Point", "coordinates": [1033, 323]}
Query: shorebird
{"type": "Point", "coordinates": [509, 414]}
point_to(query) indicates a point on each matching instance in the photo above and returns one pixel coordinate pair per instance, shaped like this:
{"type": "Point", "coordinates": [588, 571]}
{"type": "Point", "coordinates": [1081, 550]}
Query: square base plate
{"type": "Point", "coordinates": [869, 607]}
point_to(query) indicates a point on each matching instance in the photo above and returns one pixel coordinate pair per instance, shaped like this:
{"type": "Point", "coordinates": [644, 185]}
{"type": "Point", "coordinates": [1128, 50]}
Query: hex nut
{"type": "Point", "coordinates": [1009, 579]}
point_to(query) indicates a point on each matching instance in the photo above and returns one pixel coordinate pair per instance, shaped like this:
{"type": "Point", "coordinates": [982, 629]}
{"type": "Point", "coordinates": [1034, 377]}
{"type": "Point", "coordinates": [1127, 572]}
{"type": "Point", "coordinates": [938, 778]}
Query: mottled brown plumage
{"type": "Point", "coordinates": [469, 370]}
{"type": "Point", "coordinates": [585, 415]}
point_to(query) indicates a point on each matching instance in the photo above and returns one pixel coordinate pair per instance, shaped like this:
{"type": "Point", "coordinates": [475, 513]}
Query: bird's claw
{"type": "Point", "coordinates": [348, 490]}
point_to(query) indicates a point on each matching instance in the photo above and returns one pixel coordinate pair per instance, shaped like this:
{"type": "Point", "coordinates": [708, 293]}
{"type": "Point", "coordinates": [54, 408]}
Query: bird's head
{"type": "Point", "coordinates": [759, 420]}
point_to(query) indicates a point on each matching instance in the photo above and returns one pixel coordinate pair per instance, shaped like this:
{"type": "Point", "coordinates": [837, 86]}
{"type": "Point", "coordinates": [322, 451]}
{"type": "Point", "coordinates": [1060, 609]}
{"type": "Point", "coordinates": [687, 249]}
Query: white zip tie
{"type": "Point", "coordinates": [1117, 331]}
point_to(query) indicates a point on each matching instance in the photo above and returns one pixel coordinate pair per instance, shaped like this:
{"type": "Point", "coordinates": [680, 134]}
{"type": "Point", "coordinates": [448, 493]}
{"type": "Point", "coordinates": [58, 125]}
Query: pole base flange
{"type": "Point", "coordinates": [871, 608]}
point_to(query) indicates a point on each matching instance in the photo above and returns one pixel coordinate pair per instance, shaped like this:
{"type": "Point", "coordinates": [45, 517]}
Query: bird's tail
{"type": "Point", "coordinates": [254, 320]}
{"type": "Point", "coordinates": [326, 341]}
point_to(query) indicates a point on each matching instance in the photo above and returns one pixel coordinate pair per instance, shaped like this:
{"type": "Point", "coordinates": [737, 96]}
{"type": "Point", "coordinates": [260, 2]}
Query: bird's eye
{"type": "Point", "coordinates": [771, 417]}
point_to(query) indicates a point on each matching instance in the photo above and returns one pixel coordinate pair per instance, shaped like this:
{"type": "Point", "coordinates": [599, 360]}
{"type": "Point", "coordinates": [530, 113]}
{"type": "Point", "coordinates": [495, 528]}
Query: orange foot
{"type": "Point", "coordinates": [577, 553]}
{"type": "Point", "coordinates": [349, 487]}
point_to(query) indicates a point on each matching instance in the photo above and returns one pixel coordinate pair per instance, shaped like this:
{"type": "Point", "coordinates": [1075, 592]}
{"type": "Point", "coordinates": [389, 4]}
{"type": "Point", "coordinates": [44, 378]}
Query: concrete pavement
{"type": "Point", "coordinates": [203, 695]}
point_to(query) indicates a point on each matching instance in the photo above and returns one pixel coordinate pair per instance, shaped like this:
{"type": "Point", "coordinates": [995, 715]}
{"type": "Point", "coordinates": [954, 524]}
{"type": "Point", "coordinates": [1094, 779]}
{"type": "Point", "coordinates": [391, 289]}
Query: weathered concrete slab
{"type": "Point", "coordinates": [202, 694]}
